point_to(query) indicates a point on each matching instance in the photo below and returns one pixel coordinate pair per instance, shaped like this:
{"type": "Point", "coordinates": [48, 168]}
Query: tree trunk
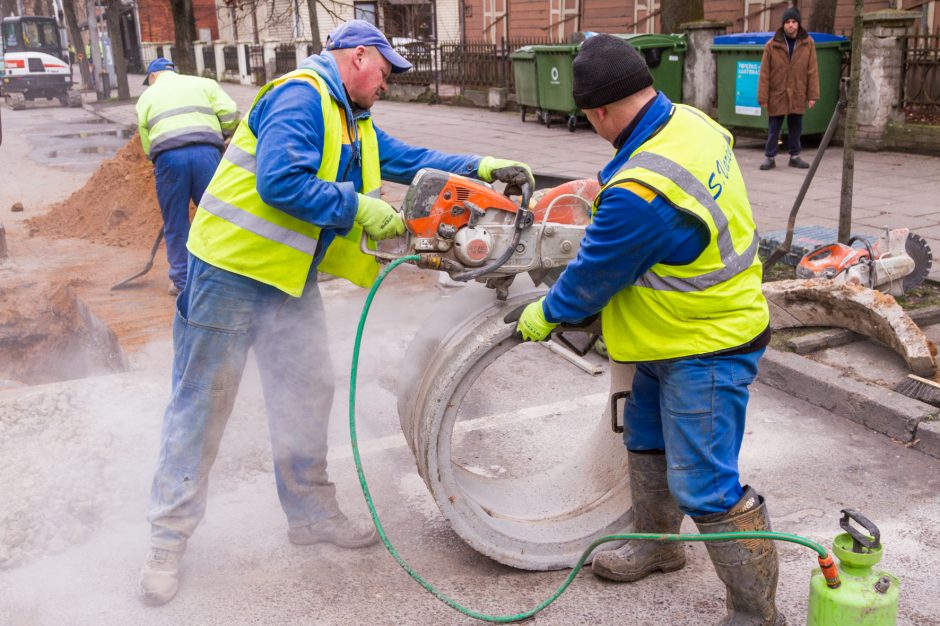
{"type": "Point", "coordinates": [676, 12]}
{"type": "Point", "coordinates": [314, 26]}
{"type": "Point", "coordinates": [184, 26]}
{"type": "Point", "coordinates": [68, 7]}
{"type": "Point", "coordinates": [823, 18]}
{"type": "Point", "coordinates": [117, 49]}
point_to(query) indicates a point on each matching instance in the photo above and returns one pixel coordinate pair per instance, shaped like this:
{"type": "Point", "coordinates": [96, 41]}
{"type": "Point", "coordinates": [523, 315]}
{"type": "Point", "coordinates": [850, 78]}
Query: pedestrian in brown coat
{"type": "Point", "coordinates": [788, 83]}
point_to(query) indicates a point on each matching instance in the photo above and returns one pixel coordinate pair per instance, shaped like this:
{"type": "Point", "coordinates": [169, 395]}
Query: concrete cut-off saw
{"type": "Point", "coordinates": [894, 263]}
{"type": "Point", "coordinates": [472, 231]}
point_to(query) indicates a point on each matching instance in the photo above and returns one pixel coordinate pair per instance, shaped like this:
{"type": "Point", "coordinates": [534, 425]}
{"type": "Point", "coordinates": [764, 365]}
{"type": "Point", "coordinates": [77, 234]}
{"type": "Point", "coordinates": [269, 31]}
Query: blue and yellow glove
{"type": "Point", "coordinates": [378, 218]}
{"type": "Point", "coordinates": [532, 325]}
{"type": "Point", "coordinates": [510, 172]}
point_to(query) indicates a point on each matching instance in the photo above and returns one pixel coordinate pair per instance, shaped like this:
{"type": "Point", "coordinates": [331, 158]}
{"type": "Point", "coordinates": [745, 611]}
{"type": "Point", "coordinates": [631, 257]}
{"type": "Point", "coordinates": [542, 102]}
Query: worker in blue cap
{"type": "Point", "coordinates": [182, 121]}
{"type": "Point", "coordinates": [297, 187]}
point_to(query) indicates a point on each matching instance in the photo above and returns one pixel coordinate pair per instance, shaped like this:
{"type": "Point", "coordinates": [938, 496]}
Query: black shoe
{"type": "Point", "coordinates": [796, 161]}
{"type": "Point", "coordinates": [768, 163]}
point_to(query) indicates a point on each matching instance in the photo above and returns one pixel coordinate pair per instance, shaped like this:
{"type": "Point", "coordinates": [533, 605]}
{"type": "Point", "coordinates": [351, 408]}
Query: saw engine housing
{"type": "Point", "coordinates": [882, 264]}
{"type": "Point", "coordinates": [465, 224]}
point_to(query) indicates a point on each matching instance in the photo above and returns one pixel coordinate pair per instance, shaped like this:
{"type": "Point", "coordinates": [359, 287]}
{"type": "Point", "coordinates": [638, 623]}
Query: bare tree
{"type": "Point", "coordinates": [117, 49]}
{"type": "Point", "coordinates": [676, 12]}
{"type": "Point", "coordinates": [823, 18]}
{"type": "Point", "coordinates": [184, 26]}
{"type": "Point", "coordinates": [314, 26]}
{"type": "Point", "coordinates": [68, 8]}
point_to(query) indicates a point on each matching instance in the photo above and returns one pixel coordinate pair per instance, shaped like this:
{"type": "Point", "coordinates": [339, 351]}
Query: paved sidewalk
{"type": "Point", "coordinates": [891, 189]}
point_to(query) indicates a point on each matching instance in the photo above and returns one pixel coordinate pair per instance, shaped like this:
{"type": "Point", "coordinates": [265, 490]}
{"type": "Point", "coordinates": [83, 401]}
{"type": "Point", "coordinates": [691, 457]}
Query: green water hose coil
{"type": "Point", "coordinates": [803, 541]}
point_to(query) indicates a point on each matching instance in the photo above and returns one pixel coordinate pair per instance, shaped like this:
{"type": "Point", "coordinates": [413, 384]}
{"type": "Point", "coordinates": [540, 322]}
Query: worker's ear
{"type": "Point", "coordinates": [359, 56]}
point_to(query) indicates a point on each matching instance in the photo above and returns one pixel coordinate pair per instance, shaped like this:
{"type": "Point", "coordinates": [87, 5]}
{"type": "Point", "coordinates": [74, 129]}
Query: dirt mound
{"type": "Point", "coordinates": [117, 206]}
{"type": "Point", "coordinates": [47, 334]}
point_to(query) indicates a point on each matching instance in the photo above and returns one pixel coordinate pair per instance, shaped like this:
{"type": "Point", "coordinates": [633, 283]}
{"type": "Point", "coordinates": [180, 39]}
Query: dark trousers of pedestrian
{"type": "Point", "coordinates": [794, 130]}
{"type": "Point", "coordinates": [182, 175]}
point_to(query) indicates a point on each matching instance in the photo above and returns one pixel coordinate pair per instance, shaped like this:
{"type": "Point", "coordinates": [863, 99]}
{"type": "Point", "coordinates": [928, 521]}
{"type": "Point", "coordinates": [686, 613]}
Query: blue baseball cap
{"type": "Point", "coordinates": [158, 65]}
{"type": "Point", "coordinates": [361, 33]}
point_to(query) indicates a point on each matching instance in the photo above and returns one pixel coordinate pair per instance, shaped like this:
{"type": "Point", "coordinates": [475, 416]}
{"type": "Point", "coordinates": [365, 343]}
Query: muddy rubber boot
{"type": "Point", "coordinates": [654, 511]}
{"type": "Point", "coordinates": [159, 577]}
{"type": "Point", "coordinates": [747, 568]}
{"type": "Point", "coordinates": [337, 530]}
{"type": "Point", "coordinates": [768, 163]}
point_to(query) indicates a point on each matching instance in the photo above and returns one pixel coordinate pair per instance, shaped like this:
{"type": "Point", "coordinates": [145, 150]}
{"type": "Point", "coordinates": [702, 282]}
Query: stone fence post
{"type": "Point", "coordinates": [198, 47]}
{"type": "Point", "coordinates": [700, 76]}
{"type": "Point", "coordinates": [881, 74]}
{"type": "Point", "coordinates": [218, 47]}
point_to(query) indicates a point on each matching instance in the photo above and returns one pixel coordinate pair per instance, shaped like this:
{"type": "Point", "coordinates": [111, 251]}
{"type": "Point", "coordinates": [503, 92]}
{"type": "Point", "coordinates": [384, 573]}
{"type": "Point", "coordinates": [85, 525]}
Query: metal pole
{"type": "Point", "coordinates": [95, 48]}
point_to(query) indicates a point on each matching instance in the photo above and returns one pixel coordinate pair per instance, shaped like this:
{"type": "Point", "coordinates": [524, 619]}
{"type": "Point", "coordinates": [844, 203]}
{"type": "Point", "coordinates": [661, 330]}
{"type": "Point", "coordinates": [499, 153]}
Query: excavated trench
{"type": "Point", "coordinates": [513, 443]}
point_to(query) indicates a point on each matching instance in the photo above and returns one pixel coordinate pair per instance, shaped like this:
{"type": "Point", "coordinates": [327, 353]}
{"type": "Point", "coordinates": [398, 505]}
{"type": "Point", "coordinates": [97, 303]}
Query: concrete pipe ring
{"type": "Point", "coordinates": [513, 442]}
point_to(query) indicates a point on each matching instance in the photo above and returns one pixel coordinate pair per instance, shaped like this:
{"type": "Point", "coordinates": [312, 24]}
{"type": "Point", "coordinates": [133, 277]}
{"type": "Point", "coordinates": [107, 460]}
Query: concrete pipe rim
{"type": "Point", "coordinates": [479, 508]}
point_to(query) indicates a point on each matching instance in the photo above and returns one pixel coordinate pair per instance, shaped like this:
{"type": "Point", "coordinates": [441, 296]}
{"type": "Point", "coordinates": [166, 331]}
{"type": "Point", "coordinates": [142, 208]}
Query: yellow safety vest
{"type": "Point", "coordinates": [181, 110]}
{"type": "Point", "coordinates": [234, 229]}
{"type": "Point", "coordinates": [714, 303]}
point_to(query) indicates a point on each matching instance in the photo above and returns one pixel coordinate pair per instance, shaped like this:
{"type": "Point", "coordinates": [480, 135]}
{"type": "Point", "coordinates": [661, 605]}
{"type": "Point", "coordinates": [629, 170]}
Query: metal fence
{"type": "Point", "coordinates": [230, 59]}
{"type": "Point", "coordinates": [920, 87]}
{"type": "Point", "coordinates": [254, 58]}
{"type": "Point", "coordinates": [208, 59]}
{"type": "Point", "coordinates": [468, 64]}
{"type": "Point", "coordinates": [285, 59]}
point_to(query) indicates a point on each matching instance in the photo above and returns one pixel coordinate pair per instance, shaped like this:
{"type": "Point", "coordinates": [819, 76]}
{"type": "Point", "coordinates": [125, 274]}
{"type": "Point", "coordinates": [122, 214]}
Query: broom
{"type": "Point", "coordinates": [921, 389]}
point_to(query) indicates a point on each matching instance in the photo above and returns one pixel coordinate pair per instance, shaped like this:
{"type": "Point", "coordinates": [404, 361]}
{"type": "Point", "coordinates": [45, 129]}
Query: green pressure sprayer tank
{"type": "Point", "coordinates": [864, 597]}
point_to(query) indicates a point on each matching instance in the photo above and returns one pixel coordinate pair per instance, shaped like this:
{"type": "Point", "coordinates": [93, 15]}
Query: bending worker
{"type": "Point", "coordinates": [183, 121]}
{"type": "Point", "coordinates": [670, 262]}
{"type": "Point", "coordinates": [297, 186]}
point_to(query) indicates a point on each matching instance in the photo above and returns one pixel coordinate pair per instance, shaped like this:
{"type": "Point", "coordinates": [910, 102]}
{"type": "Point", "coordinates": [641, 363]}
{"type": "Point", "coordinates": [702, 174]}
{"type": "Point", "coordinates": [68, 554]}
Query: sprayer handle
{"type": "Point", "coordinates": [872, 541]}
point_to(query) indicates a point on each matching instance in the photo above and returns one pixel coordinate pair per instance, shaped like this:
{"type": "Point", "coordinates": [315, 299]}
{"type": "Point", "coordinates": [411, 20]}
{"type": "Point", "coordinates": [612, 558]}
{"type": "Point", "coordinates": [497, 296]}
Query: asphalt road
{"type": "Point", "coordinates": [78, 458]}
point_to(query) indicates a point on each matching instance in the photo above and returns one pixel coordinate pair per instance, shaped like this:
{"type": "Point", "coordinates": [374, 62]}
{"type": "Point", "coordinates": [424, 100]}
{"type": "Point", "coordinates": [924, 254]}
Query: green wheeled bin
{"type": "Point", "coordinates": [738, 59]}
{"type": "Point", "coordinates": [553, 66]}
{"type": "Point", "coordinates": [665, 56]}
{"type": "Point", "coordinates": [526, 80]}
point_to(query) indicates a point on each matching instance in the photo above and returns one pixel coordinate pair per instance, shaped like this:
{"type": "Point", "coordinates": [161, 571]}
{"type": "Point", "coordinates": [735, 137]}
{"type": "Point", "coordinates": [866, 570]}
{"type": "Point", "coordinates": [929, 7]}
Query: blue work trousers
{"type": "Point", "coordinates": [694, 409]}
{"type": "Point", "coordinates": [794, 130]}
{"type": "Point", "coordinates": [182, 175]}
{"type": "Point", "coordinates": [219, 316]}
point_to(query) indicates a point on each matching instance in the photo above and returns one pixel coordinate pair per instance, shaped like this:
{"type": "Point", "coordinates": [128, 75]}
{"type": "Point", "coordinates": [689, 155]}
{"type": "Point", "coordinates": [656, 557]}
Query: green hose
{"type": "Point", "coordinates": [574, 572]}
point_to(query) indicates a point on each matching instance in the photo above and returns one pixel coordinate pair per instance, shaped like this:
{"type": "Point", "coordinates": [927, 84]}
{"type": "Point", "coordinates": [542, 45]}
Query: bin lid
{"type": "Point", "coordinates": [558, 47]}
{"type": "Point", "coordinates": [759, 39]}
{"type": "Point", "coordinates": [641, 41]}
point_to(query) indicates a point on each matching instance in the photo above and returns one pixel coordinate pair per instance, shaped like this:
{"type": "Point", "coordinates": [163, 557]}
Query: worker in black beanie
{"type": "Point", "coordinates": [670, 263]}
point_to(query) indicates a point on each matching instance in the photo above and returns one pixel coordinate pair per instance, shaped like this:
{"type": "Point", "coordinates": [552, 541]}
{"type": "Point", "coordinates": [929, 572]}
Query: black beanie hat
{"type": "Point", "coordinates": [607, 69]}
{"type": "Point", "coordinates": [791, 14]}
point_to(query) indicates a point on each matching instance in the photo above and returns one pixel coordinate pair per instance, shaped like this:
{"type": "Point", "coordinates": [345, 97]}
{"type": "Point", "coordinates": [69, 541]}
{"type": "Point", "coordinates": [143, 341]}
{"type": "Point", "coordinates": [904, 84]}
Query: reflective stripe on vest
{"type": "Point", "coordinates": [734, 263]}
{"type": "Point", "coordinates": [236, 230]}
{"type": "Point", "coordinates": [714, 303]}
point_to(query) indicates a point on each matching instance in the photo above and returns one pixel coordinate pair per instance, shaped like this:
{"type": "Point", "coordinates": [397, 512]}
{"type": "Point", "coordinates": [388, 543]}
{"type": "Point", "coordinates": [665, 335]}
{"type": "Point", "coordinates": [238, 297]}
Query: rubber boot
{"type": "Point", "coordinates": [654, 511]}
{"type": "Point", "coordinates": [748, 568]}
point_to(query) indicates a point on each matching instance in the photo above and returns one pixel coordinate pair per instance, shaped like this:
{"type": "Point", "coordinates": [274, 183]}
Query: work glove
{"type": "Point", "coordinates": [513, 173]}
{"type": "Point", "coordinates": [532, 325]}
{"type": "Point", "coordinates": [378, 218]}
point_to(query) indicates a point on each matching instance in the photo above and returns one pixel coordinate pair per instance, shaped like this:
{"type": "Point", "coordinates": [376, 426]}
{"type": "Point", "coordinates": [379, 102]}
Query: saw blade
{"type": "Point", "coordinates": [919, 250]}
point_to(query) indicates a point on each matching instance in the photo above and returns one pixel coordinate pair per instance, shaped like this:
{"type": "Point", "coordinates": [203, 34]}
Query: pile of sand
{"type": "Point", "coordinates": [117, 206]}
{"type": "Point", "coordinates": [48, 334]}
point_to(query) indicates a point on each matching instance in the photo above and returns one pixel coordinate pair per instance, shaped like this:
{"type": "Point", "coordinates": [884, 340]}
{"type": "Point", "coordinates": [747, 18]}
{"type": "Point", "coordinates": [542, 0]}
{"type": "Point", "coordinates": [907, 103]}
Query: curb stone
{"type": "Point", "coordinates": [875, 407]}
{"type": "Point", "coordinates": [928, 438]}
